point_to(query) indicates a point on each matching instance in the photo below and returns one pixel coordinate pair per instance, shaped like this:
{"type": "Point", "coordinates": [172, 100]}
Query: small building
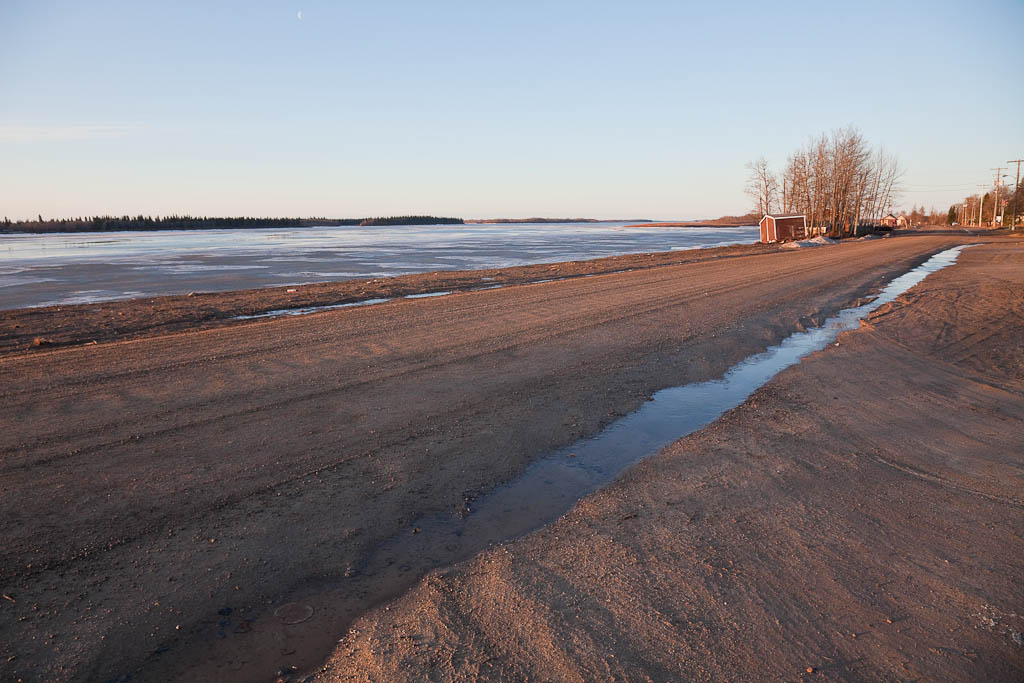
{"type": "Point", "coordinates": [783, 228]}
{"type": "Point", "coordinates": [903, 222]}
{"type": "Point", "coordinates": [889, 221]}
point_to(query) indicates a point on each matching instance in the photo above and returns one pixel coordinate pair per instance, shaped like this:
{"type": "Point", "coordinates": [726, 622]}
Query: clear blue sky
{"type": "Point", "coordinates": [480, 109]}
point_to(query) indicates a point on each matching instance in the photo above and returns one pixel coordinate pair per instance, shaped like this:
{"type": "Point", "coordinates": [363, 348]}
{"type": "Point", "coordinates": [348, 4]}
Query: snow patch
{"type": "Point", "coordinates": [819, 241]}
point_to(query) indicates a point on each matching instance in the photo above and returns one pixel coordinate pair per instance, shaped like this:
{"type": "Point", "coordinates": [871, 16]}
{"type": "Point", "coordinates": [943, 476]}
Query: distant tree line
{"type": "Point", "coordinates": [746, 219]}
{"type": "Point", "coordinates": [411, 220]}
{"type": "Point", "coordinates": [978, 209]}
{"type": "Point", "coordinates": [838, 181]}
{"type": "Point", "coordinates": [918, 215]}
{"type": "Point", "coordinates": [120, 223]}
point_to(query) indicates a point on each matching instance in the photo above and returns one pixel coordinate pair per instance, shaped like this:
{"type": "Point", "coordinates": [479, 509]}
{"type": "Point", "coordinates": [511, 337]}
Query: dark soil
{"type": "Point", "coordinates": [163, 497]}
{"type": "Point", "coordinates": [859, 518]}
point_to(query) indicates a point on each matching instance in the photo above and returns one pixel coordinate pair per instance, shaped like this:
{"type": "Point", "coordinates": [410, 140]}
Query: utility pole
{"type": "Point", "coordinates": [995, 204]}
{"type": "Point", "coordinates": [981, 202]}
{"type": "Point", "coordinates": [1016, 191]}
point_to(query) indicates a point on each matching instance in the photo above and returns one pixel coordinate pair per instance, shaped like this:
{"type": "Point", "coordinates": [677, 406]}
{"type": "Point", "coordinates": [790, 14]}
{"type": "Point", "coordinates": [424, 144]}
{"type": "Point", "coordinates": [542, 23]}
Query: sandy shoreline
{"type": "Point", "coordinates": [859, 518]}
{"type": "Point", "coordinates": [217, 474]}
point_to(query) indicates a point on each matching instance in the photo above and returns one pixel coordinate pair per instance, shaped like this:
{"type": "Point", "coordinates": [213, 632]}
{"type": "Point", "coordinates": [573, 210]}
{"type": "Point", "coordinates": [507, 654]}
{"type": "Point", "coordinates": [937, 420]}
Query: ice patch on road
{"type": "Point", "coordinates": [427, 295]}
{"type": "Point", "coordinates": [309, 309]}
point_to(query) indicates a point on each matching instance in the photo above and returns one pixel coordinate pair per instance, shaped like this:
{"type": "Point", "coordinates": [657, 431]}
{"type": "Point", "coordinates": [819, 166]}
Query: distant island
{"type": "Point", "coordinates": [143, 223]}
{"type": "Point", "coordinates": [411, 220]}
{"type": "Point", "coordinates": [723, 222]}
{"type": "Point", "coordinates": [552, 220]}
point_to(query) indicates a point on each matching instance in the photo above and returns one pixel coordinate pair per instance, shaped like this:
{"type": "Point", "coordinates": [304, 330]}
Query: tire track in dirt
{"type": "Point", "coordinates": [280, 427]}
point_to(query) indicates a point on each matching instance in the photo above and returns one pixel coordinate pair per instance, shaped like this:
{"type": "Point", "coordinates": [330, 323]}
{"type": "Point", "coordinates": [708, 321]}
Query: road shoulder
{"type": "Point", "coordinates": [859, 517]}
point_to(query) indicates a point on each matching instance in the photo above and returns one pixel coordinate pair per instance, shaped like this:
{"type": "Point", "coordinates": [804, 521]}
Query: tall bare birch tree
{"type": "Point", "coordinates": [762, 186]}
{"type": "Point", "coordinates": [836, 180]}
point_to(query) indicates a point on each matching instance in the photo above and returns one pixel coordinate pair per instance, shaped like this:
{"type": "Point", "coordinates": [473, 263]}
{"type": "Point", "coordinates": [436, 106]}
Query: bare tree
{"type": "Point", "coordinates": [762, 186]}
{"type": "Point", "coordinates": [890, 175]}
{"type": "Point", "coordinates": [821, 181]}
{"type": "Point", "coordinates": [837, 181]}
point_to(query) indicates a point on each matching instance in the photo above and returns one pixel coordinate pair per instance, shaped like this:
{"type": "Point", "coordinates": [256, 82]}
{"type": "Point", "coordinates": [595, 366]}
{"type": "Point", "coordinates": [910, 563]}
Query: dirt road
{"type": "Point", "coordinates": [859, 518]}
{"type": "Point", "coordinates": [160, 498]}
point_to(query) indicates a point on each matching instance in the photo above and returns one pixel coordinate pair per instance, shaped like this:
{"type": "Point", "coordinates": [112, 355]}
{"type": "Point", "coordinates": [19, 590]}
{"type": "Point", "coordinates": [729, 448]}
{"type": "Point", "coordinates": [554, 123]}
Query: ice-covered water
{"type": "Point", "coordinates": [39, 270]}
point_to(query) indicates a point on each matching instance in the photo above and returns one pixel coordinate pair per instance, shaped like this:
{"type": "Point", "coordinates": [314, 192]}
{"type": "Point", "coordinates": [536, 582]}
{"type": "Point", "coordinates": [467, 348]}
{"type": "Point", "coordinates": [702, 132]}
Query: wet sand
{"type": "Point", "coordinates": [165, 495]}
{"type": "Point", "coordinates": [859, 518]}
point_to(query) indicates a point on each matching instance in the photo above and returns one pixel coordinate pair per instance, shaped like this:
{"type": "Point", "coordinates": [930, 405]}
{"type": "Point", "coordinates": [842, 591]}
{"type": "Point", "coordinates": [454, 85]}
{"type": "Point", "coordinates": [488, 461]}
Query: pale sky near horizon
{"type": "Point", "coordinates": [475, 109]}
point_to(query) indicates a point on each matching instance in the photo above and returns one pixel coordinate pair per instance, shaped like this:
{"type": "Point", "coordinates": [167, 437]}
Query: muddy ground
{"type": "Point", "coordinates": [163, 497]}
{"type": "Point", "coordinates": [859, 518]}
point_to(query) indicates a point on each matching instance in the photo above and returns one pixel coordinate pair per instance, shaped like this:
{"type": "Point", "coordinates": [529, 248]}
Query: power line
{"type": "Point", "coordinates": [955, 189]}
{"type": "Point", "coordinates": [938, 185]}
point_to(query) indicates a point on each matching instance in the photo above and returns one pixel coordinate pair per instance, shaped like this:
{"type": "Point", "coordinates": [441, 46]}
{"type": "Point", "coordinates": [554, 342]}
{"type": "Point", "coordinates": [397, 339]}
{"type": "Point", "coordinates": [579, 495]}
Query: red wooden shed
{"type": "Point", "coordinates": [782, 228]}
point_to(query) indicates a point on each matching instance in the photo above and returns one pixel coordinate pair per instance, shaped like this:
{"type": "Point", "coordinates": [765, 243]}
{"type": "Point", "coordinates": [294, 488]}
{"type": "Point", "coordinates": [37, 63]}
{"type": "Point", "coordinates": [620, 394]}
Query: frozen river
{"type": "Point", "coordinates": [42, 270]}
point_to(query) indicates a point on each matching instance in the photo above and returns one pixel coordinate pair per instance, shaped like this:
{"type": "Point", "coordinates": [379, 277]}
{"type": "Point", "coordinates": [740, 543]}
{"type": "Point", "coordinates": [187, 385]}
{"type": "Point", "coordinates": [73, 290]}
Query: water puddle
{"type": "Point", "coordinates": [553, 484]}
{"type": "Point", "coordinates": [306, 310]}
{"type": "Point", "coordinates": [280, 312]}
{"type": "Point", "coordinates": [277, 313]}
